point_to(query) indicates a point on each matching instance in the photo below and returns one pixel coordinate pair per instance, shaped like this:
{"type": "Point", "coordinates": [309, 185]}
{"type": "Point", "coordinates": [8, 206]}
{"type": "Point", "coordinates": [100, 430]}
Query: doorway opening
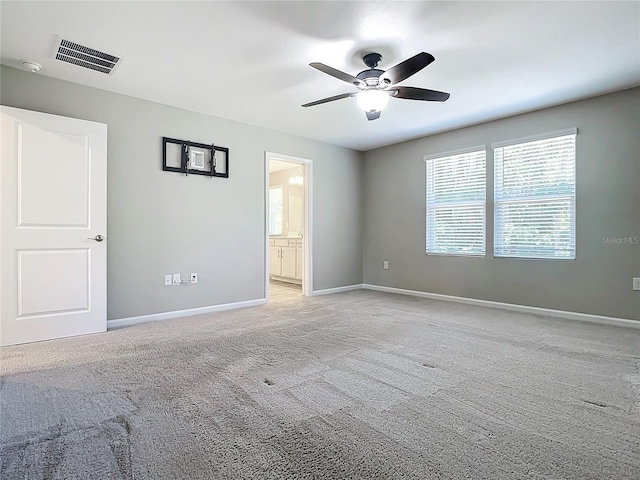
{"type": "Point", "coordinates": [288, 213]}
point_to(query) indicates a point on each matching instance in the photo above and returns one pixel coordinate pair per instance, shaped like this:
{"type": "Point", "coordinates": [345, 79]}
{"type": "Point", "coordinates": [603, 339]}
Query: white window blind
{"type": "Point", "coordinates": [456, 203]}
{"type": "Point", "coordinates": [535, 198]}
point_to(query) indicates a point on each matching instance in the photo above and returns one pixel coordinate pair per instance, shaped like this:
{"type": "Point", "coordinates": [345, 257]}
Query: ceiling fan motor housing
{"type": "Point", "coordinates": [370, 77]}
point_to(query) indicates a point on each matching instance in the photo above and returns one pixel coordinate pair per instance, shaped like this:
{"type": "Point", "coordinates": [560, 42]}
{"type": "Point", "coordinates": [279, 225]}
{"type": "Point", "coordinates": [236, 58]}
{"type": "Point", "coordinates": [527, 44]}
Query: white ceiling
{"type": "Point", "coordinates": [248, 61]}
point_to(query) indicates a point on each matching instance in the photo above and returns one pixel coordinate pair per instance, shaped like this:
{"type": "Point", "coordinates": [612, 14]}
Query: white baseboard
{"type": "Point", "coordinates": [547, 312]}
{"type": "Point", "coordinates": [329, 291]}
{"type": "Point", "coordinates": [585, 317]}
{"type": "Point", "coordinates": [124, 322]}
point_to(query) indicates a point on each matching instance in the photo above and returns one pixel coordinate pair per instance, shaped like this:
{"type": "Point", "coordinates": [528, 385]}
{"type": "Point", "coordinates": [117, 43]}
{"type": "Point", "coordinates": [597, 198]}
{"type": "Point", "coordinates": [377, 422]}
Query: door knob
{"type": "Point", "coordinates": [97, 238]}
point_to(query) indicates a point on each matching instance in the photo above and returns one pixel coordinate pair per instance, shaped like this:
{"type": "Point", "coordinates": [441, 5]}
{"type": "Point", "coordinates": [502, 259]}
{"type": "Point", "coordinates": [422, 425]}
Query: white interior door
{"type": "Point", "coordinates": [53, 209]}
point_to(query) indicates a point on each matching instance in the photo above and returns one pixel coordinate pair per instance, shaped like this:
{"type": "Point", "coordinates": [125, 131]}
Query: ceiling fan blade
{"type": "Point", "coordinates": [414, 93]}
{"type": "Point", "coordinates": [330, 99]}
{"type": "Point", "coordinates": [407, 68]}
{"type": "Point", "coordinates": [373, 115]}
{"type": "Point", "coordinates": [345, 77]}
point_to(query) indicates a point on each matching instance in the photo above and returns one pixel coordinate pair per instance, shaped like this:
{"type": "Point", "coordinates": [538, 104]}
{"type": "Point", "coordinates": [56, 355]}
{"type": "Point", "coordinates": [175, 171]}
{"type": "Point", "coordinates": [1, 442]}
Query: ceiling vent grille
{"type": "Point", "coordinates": [76, 54]}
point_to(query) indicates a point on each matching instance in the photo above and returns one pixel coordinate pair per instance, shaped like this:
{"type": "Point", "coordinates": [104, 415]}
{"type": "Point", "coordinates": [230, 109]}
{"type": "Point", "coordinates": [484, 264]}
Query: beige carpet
{"type": "Point", "coordinates": [359, 385]}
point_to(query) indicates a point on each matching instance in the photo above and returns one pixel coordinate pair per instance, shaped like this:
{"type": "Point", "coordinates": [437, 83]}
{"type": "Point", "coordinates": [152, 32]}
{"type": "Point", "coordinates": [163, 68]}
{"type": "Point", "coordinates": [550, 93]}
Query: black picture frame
{"type": "Point", "coordinates": [211, 162]}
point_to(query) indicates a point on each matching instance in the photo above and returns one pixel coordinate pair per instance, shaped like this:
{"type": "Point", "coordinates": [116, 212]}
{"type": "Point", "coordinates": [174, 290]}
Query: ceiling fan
{"type": "Point", "coordinates": [376, 86]}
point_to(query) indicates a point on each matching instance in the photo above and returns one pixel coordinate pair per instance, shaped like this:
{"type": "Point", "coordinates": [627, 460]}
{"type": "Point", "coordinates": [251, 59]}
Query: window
{"type": "Point", "coordinates": [535, 197]}
{"type": "Point", "coordinates": [456, 203]}
{"type": "Point", "coordinates": [275, 210]}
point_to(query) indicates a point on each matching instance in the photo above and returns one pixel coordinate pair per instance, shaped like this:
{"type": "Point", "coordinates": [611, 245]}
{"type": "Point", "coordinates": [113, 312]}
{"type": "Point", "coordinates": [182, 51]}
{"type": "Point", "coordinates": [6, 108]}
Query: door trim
{"type": "Point", "coordinates": [307, 243]}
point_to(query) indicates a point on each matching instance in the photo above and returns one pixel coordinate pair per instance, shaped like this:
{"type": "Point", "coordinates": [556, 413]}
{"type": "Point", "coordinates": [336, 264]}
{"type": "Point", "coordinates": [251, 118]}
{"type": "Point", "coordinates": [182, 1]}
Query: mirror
{"type": "Point", "coordinates": [275, 210]}
{"type": "Point", "coordinates": [296, 210]}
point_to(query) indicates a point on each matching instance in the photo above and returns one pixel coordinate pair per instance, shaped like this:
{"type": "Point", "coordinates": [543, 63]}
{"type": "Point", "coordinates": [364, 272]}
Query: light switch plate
{"type": "Point", "coordinates": [636, 283]}
{"type": "Point", "coordinates": [168, 280]}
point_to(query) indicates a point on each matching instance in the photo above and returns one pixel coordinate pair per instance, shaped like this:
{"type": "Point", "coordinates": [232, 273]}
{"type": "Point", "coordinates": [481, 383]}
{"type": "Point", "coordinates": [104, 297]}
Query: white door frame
{"type": "Point", "coordinates": [307, 274]}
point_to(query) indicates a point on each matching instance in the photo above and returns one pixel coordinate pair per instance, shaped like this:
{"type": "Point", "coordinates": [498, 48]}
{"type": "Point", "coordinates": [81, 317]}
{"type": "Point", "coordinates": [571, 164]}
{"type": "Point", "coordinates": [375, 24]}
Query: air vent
{"type": "Point", "coordinates": [76, 54]}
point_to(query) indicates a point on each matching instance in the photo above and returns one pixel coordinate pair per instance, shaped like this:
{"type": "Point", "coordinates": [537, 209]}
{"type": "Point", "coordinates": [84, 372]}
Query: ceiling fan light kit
{"type": "Point", "coordinates": [376, 86]}
{"type": "Point", "coordinates": [372, 100]}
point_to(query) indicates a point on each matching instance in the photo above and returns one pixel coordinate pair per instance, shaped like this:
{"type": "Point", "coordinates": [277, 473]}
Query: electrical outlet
{"type": "Point", "coordinates": [636, 283]}
{"type": "Point", "coordinates": [385, 264]}
{"type": "Point", "coordinates": [194, 278]}
{"type": "Point", "coordinates": [176, 279]}
{"type": "Point", "coordinates": [167, 280]}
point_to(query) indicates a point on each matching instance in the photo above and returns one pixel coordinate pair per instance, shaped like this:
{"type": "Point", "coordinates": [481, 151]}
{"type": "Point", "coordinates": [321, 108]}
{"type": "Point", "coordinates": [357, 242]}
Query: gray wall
{"type": "Point", "coordinates": [608, 205]}
{"type": "Point", "coordinates": [162, 222]}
